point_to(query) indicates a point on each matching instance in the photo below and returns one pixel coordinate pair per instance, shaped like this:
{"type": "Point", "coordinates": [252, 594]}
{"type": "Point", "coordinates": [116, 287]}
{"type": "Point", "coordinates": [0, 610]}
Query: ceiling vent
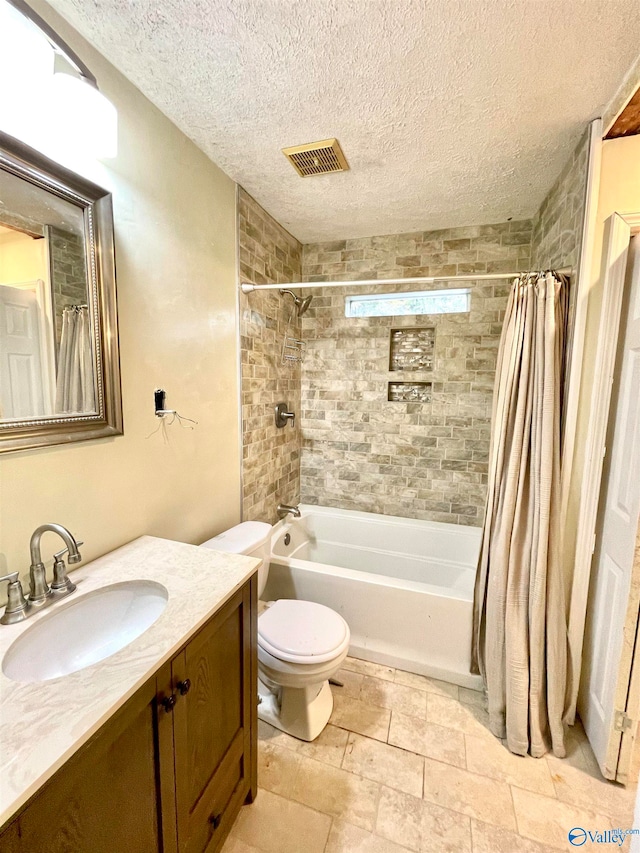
{"type": "Point", "coordinates": [317, 158]}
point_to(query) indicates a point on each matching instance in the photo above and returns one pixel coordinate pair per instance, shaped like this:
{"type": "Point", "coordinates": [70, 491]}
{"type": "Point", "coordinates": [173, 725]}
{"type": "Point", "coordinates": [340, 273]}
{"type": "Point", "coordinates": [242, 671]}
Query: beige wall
{"type": "Point", "coordinates": [21, 258]}
{"type": "Point", "coordinates": [619, 191]}
{"type": "Point", "coordinates": [175, 254]}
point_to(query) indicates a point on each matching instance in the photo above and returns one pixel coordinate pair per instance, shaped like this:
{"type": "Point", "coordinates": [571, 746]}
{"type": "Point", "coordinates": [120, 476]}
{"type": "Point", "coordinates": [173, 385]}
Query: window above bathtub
{"type": "Point", "coordinates": [416, 302]}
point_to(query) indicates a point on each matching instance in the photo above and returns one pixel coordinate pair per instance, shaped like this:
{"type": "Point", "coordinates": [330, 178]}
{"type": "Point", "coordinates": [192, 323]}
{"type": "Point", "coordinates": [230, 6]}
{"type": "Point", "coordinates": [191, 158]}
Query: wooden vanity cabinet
{"type": "Point", "coordinates": [170, 770]}
{"type": "Point", "coordinates": [107, 797]}
{"type": "Point", "coordinates": [213, 725]}
{"type": "Point", "coordinates": [10, 839]}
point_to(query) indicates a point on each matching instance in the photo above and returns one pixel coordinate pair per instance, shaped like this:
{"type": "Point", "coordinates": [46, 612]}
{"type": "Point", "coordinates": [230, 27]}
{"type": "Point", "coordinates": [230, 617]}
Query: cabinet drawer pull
{"type": "Point", "coordinates": [184, 686]}
{"type": "Point", "coordinates": [168, 703]}
{"type": "Point", "coordinates": [215, 820]}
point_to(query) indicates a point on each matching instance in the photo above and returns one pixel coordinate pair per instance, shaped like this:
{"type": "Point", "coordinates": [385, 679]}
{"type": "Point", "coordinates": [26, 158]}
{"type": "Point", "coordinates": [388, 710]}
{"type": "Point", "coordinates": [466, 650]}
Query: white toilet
{"type": "Point", "coordinates": [301, 644]}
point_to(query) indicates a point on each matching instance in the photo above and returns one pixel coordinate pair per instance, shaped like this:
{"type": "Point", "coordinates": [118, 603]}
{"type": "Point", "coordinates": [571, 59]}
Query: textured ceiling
{"type": "Point", "coordinates": [450, 112]}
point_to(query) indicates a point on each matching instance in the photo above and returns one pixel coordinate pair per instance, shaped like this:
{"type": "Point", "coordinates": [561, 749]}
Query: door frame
{"type": "Point", "coordinates": [619, 229]}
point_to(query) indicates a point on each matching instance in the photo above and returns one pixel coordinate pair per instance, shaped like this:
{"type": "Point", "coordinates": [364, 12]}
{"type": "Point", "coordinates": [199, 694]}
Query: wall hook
{"type": "Point", "coordinates": [159, 399]}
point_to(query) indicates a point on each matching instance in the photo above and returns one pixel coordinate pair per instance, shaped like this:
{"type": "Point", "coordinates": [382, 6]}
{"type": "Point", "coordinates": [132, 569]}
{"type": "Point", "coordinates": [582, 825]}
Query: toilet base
{"type": "Point", "coordinates": [302, 712]}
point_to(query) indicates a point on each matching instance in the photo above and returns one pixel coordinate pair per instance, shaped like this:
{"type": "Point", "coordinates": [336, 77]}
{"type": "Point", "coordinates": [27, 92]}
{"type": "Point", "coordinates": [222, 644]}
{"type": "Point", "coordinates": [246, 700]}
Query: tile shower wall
{"type": "Point", "coordinates": [268, 254]}
{"type": "Point", "coordinates": [420, 460]}
{"type": "Point", "coordinates": [68, 274]}
{"type": "Point", "coordinates": [557, 226]}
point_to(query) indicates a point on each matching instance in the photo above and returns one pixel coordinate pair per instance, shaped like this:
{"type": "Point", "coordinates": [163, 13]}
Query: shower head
{"type": "Point", "coordinates": [301, 304]}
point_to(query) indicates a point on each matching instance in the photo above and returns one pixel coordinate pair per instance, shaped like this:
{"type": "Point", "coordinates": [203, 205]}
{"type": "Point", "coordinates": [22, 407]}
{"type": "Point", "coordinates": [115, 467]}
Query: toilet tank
{"type": "Point", "coordinates": [252, 538]}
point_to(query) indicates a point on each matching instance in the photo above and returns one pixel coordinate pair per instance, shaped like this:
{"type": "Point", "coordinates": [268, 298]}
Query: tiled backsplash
{"type": "Point", "coordinates": [417, 459]}
{"type": "Point", "coordinates": [271, 457]}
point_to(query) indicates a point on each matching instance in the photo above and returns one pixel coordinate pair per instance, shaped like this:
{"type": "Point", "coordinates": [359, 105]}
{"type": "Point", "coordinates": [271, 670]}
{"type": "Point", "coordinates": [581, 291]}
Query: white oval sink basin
{"type": "Point", "coordinates": [85, 631]}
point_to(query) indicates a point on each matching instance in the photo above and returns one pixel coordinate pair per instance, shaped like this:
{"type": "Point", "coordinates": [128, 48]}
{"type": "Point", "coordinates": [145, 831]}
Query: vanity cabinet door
{"type": "Point", "coordinates": [10, 839]}
{"type": "Point", "coordinates": [215, 684]}
{"type": "Point", "coordinates": [107, 798]}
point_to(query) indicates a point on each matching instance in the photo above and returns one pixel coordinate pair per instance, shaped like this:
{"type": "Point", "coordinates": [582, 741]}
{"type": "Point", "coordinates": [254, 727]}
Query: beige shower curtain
{"type": "Point", "coordinates": [519, 624]}
{"type": "Point", "coordinates": [75, 391]}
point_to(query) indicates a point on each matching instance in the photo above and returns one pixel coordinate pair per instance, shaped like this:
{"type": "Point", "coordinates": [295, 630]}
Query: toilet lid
{"type": "Point", "coordinates": [298, 630]}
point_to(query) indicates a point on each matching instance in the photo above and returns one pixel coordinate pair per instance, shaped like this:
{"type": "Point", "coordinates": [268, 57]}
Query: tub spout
{"type": "Point", "coordinates": [284, 510]}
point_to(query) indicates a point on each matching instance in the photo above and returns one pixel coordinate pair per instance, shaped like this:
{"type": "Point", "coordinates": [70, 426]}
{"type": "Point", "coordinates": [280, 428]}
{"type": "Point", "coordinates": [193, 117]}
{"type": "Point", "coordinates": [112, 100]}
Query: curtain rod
{"type": "Point", "coordinates": [249, 287]}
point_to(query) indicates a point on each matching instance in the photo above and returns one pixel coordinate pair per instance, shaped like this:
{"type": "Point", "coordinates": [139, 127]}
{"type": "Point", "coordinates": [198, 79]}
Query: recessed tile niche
{"type": "Point", "coordinates": [412, 349]}
{"type": "Point", "coordinates": [409, 392]}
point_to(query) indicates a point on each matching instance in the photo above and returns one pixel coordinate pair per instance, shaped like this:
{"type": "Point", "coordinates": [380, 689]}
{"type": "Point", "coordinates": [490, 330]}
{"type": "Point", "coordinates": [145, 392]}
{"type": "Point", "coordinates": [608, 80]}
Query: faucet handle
{"type": "Point", "coordinates": [12, 577]}
{"type": "Point", "coordinates": [60, 554]}
{"type": "Point", "coordinates": [282, 416]}
{"type": "Point", "coordinates": [16, 609]}
{"type": "Point", "coordinates": [62, 583]}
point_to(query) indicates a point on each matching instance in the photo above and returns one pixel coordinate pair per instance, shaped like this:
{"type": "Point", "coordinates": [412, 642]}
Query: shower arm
{"type": "Point", "coordinates": [249, 287]}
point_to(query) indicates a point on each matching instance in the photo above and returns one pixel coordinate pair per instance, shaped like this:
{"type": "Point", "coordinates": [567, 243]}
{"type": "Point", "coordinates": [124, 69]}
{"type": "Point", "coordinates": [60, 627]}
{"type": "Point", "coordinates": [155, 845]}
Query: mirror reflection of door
{"type": "Point", "coordinates": [46, 346]}
{"type": "Point", "coordinates": [22, 384]}
{"type": "Point", "coordinates": [27, 354]}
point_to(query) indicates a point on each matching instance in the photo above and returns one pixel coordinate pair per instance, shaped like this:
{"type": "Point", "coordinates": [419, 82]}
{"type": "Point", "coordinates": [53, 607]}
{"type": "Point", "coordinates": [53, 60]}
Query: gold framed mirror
{"type": "Point", "coordinates": [59, 355]}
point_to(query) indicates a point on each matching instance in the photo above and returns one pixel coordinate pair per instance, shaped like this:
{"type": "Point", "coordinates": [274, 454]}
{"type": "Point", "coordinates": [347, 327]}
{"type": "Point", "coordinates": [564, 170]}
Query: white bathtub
{"type": "Point", "coordinates": [405, 587]}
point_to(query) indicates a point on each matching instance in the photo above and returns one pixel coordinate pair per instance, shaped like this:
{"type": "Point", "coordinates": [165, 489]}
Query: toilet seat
{"type": "Point", "coordinates": [302, 632]}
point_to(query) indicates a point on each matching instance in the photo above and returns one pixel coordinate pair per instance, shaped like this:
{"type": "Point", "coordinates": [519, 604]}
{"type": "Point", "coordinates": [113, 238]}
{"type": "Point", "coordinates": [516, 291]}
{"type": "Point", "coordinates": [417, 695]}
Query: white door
{"type": "Point", "coordinates": [21, 387]}
{"type": "Point", "coordinates": [609, 707]}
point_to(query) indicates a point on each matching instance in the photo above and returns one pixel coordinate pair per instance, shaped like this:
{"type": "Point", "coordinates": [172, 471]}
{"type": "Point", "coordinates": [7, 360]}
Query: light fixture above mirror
{"type": "Point", "coordinates": [52, 101]}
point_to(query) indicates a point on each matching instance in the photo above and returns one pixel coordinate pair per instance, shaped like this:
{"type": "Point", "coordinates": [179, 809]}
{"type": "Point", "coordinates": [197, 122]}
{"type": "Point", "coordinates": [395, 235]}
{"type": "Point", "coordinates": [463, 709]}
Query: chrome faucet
{"type": "Point", "coordinates": [285, 510]}
{"type": "Point", "coordinates": [39, 589]}
{"type": "Point", "coordinates": [41, 594]}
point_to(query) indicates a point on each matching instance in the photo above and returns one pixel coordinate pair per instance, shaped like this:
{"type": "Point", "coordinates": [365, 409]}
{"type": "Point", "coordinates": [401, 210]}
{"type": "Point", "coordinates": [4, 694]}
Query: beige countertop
{"type": "Point", "coordinates": [43, 724]}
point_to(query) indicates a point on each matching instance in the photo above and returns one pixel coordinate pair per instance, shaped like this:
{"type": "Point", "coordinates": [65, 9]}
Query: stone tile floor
{"type": "Point", "coordinates": [407, 763]}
